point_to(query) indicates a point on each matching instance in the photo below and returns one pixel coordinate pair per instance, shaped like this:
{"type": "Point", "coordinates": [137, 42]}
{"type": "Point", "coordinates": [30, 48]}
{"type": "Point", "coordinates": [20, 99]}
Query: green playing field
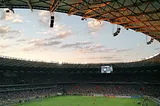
{"type": "Point", "coordinates": [85, 101]}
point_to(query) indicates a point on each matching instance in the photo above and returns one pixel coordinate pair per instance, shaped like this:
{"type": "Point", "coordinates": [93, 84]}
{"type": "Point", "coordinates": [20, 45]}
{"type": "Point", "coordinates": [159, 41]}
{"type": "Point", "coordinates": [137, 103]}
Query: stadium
{"type": "Point", "coordinates": [28, 82]}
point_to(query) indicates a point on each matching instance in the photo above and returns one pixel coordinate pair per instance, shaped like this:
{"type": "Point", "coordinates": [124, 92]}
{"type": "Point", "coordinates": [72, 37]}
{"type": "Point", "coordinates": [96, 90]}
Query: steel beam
{"type": "Point", "coordinates": [122, 8]}
{"type": "Point", "coordinates": [130, 26]}
{"type": "Point", "coordinates": [136, 22]}
{"type": "Point", "coordinates": [30, 4]}
{"type": "Point", "coordinates": [54, 5]}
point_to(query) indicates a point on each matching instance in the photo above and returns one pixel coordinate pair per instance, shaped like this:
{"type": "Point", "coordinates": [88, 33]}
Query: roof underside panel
{"type": "Point", "coordinates": [139, 15]}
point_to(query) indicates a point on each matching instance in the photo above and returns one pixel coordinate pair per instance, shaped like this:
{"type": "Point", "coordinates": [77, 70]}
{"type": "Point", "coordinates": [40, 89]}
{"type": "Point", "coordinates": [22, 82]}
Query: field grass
{"type": "Point", "coordinates": [85, 101]}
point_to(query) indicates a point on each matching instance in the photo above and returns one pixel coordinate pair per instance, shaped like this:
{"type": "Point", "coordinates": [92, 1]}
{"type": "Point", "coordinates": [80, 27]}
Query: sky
{"type": "Point", "coordinates": [27, 35]}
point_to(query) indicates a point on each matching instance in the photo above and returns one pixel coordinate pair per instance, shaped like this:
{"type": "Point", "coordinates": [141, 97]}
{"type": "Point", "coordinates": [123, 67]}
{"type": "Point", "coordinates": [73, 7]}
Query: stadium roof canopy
{"type": "Point", "coordinates": [7, 62]}
{"type": "Point", "coordinates": [139, 15]}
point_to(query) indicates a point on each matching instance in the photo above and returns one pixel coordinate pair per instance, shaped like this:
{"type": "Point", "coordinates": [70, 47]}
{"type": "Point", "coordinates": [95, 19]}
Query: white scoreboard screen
{"type": "Point", "coordinates": [106, 69]}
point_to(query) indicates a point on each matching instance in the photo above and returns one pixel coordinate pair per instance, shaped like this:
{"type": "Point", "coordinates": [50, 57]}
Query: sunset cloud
{"type": "Point", "coordinates": [43, 13]}
{"type": "Point", "coordinates": [61, 35]}
{"type": "Point", "coordinates": [7, 32]}
{"type": "Point", "coordinates": [103, 58]}
{"type": "Point", "coordinates": [43, 42]}
{"type": "Point", "coordinates": [21, 40]}
{"type": "Point", "coordinates": [94, 26]}
{"type": "Point", "coordinates": [3, 46]}
{"type": "Point", "coordinates": [17, 21]}
{"type": "Point", "coordinates": [95, 48]}
{"type": "Point", "coordinates": [14, 17]}
{"type": "Point", "coordinates": [76, 45]}
{"type": "Point", "coordinates": [123, 50]}
{"type": "Point", "coordinates": [50, 43]}
{"type": "Point", "coordinates": [4, 29]}
{"type": "Point", "coordinates": [45, 17]}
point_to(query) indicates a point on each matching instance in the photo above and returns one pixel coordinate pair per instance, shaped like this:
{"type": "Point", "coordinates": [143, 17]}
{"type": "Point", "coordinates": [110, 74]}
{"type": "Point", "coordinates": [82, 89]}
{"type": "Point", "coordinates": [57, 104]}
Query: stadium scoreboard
{"type": "Point", "coordinates": [106, 69]}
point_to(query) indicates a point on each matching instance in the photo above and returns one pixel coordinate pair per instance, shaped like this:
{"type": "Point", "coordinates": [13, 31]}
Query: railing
{"type": "Point", "coordinates": [155, 100]}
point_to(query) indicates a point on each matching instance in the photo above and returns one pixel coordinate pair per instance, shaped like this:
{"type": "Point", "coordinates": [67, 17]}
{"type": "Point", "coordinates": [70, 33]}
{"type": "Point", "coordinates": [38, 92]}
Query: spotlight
{"type": "Point", "coordinates": [7, 11]}
{"type": "Point", "coordinates": [149, 42]}
{"type": "Point", "coordinates": [52, 22]}
{"type": "Point", "coordinates": [117, 32]}
{"type": "Point", "coordinates": [83, 19]}
{"type": "Point", "coordinates": [10, 10]}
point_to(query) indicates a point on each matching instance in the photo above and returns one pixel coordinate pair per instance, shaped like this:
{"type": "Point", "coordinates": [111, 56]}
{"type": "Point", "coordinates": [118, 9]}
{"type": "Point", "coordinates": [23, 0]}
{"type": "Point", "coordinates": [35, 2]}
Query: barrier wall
{"type": "Point", "coordinates": [98, 95]}
{"type": "Point", "coordinates": [109, 95]}
{"type": "Point", "coordinates": [117, 96]}
{"type": "Point", "coordinates": [123, 96]}
{"type": "Point", "coordinates": [136, 96]}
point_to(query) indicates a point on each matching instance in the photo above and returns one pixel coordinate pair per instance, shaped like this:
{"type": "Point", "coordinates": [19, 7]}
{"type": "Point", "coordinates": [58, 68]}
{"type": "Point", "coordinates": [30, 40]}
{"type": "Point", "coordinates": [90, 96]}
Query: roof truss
{"type": "Point", "coordinates": [139, 15]}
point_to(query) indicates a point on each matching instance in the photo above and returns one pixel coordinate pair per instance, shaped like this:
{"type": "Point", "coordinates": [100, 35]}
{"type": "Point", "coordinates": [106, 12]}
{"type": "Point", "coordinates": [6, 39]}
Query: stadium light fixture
{"type": "Point", "coordinates": [149, 42]}
{"type": "Point", "coordinates": [83, 19]}
{"type": "Point", "coordinates": [7, 11]}
{"type": "Point", "coordinates": [30, 5]}
{"type": "Point", "coordinates": [10, 10]}
{"type": "Point", "coordinates": [54, 5]}
{"type": "Point", "coordinates": [52, 21]}
{"type": "Point", "coordinates": [117, 32]}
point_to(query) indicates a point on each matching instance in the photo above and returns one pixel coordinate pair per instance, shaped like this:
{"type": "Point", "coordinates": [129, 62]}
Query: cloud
{"type": "Point", "coordinates": [6, 16]}
{"type": "Point", "coordinates": [93, 49]}
{"type": "Point", "coordinates": [50, 43]}
{"type": "Point", "coordinates": [21, 40]}
{"type": "Point", "coordinates": [48, 32]}
{"type": "Point", "coordinates": [51, 31]}
{"type": "Point", "coordinates": [95, 26]}
{"type": "Point", "coordinates": [43, 42]}
{"type": "Point", "coordinates": [43, 13]}
{"type": "Point", "coordinates": [17, 21]}
{"type": "Point", "coordinates": [44, 20]}
{"type": "Point", "coordinates": [10, 37]}
{"type": "Point", "coordinates": [123, 50]}
{"type": "Point", "coordinates": [7, 33]}
{"type": "Point", "coordinates": [39, 44]}
{"type": "Point", "coordinates": [4, 29]}
{"type": "Point", "coordinates": [28, 48]}
{"type": "Point", "coordinates": [59, 27]}
{"type": "Point", "coordinates": [61, 35]}
{"type": "Point", "coordinates": [76, 45]}
{"type": "Point", "coordinates": [86, 47]}
{"type": "Point", "coordinates": [14, 17]}
{"type": "Point", "coordinates": [33, 41]}
{"type": "Point", "coordinates": [45, 17]}
{"type": "Point", "coordinates": [99, 46]}
{"type": "Point", "coordinates": [157, 49]}
{"type": "Point", "coordinates": [103, 58]}
{"type": "Point", "coordinates": [3, 46]}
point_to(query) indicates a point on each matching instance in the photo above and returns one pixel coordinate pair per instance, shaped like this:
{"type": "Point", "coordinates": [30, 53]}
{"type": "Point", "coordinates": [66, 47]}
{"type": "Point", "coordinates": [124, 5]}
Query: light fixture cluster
{"type": "Point", "coordinates": [83, 19]}
{"type": "Point", "coordinates": [52, 21]}
{"type": "Point", "coordinates": [117, 32]}
{"type": "Point", "coordinates": [149, 42]}
{"type": "Point", "coordinates": [10, 10]}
